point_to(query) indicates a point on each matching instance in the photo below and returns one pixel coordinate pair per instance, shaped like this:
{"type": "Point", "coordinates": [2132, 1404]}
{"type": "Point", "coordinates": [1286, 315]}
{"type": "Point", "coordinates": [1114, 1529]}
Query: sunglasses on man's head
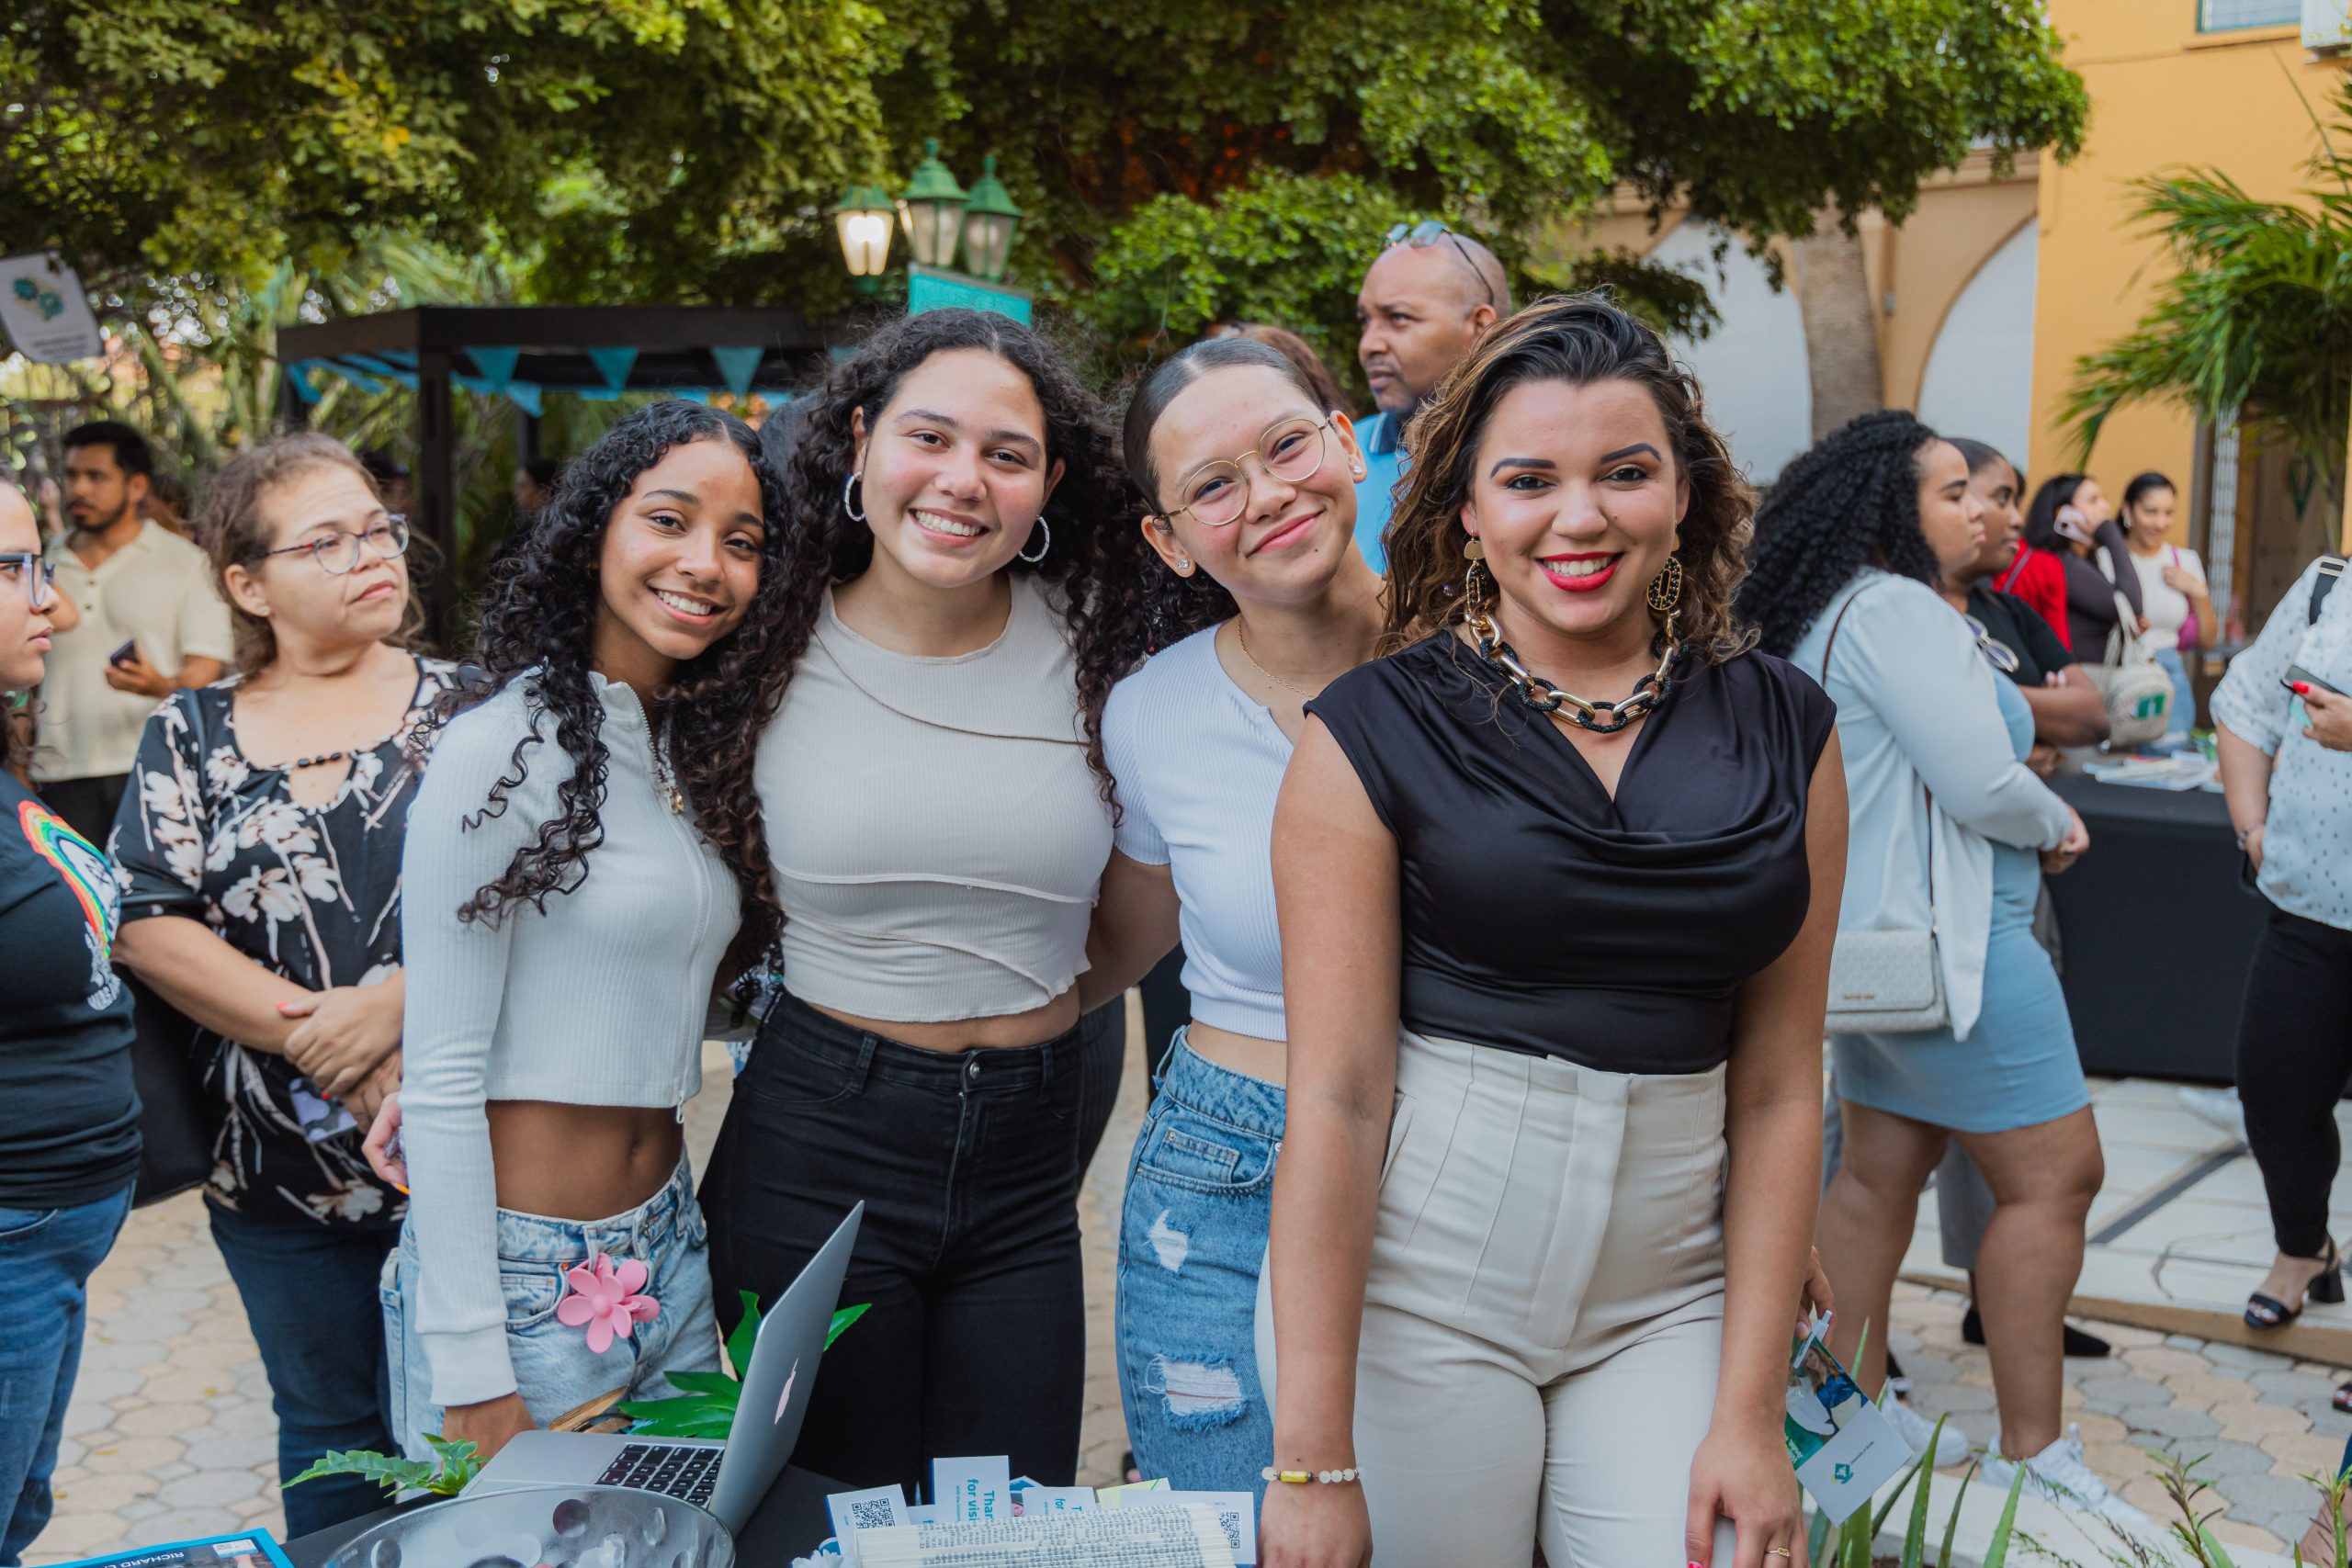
{"type": "Point", "coordinates": [1429, 231]}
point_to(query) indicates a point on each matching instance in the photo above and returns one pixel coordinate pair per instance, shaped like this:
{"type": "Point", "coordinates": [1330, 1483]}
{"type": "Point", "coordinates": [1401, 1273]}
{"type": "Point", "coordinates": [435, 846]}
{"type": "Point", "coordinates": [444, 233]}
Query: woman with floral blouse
{"type": "Point", "coordinates": [259, 848]}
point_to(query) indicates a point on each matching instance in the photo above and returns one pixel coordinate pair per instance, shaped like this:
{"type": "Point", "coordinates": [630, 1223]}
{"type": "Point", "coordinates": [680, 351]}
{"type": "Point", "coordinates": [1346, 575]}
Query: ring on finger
{"type": "Point", "coordinates": [1778, 1551]}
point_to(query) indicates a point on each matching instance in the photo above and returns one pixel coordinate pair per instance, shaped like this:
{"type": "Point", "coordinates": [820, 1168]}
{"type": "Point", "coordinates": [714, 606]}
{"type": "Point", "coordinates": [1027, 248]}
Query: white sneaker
{"type": "Point", "coordinates": [1916, 1432]}
{"type": "Point", "coordinates": [2222, 1107]}
{"type": "Point", "coordinates": [2061, 1474]}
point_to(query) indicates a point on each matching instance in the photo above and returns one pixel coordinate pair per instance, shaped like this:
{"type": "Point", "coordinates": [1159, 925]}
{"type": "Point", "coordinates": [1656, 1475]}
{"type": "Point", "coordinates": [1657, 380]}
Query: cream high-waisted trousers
{"type": "Point", "coordinates": [1542, 1325]}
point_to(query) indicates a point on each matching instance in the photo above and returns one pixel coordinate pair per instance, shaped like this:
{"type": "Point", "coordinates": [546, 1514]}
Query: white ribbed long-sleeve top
{"type": "Point", "coordinates": [599, 1001]}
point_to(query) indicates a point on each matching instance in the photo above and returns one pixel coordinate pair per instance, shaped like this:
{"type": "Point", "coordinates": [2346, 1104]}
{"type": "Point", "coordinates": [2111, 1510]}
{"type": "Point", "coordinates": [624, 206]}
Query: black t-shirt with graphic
{"type": "Point", "coordinates": [69, 1133]}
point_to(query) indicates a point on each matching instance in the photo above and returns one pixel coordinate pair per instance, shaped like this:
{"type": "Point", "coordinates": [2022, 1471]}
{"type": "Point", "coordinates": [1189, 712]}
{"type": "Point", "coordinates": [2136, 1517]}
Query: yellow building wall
{"type": "Point", "coordinates": [2163, 96]}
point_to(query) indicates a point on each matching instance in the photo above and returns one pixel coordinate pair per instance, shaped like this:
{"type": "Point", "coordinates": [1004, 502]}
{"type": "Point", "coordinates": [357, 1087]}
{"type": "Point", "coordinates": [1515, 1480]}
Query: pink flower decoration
{"type": "Point", "coordinates": [605, 1300]}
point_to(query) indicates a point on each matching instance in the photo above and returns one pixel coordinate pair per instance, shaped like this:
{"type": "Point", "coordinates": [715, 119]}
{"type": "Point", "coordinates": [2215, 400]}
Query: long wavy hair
{"type": "Point", "coordinates": [539, 613]}
{"type": "Point", "coordinates": [1097, 580]}
{"type": "Point", "coordinates": [1850, 500]}
{"type": "Point", "coordinates": [1580, 339]}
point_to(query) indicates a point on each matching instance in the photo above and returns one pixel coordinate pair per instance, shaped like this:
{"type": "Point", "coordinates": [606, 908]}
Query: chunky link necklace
{"type": "Point", "coordinates": [1532, 690]}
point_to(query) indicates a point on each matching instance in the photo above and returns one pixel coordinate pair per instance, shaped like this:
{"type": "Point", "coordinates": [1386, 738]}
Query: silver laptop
{"type": "Point", "coordinates": [729, 1477]}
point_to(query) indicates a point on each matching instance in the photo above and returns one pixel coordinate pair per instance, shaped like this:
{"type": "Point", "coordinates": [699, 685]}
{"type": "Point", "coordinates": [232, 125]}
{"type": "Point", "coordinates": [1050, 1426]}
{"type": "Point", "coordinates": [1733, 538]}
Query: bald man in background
{"type": "Point", "coordinates": [1427, 299]}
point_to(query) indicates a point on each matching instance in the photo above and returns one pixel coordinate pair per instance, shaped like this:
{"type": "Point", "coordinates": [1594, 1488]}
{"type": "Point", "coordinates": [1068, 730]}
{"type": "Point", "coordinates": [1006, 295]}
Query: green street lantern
{"type": "Point", "coordinates": [990, 220]}
{"type": "Point", "coordinates": [862, 219]}
{"type": "Point", "coordinates": [932, 208]}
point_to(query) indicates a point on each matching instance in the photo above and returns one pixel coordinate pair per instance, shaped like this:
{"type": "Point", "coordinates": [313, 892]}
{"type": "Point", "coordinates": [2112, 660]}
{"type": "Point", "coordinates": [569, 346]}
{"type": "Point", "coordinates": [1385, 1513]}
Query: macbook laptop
{"type": "Point", "coordinates": [729, 1477]}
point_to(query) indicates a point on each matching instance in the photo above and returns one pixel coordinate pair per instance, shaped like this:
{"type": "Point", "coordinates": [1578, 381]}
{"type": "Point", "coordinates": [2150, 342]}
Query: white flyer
{"type": "Point", "coordinates": [1138, 1538]}
{"type": "Point", "coordinates": [1055, 1500]}
{"type": "Point", "coordinates": [46, 315]}
{"type": "Point", "coordinates": [972, 1491]}
{"type": "Point", "coordinates": [852, 1512]}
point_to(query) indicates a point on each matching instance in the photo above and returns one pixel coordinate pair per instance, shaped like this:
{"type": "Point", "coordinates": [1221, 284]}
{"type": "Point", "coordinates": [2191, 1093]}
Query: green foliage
{"type": "Point", "coordinates": [454, 1466]}
{"type": "Point", "coordinates": [707, 1409]}
{"type": "Point", "coordinates": [2256, 325]}
{"type": "Point", "coordinates": [1996, 1551]}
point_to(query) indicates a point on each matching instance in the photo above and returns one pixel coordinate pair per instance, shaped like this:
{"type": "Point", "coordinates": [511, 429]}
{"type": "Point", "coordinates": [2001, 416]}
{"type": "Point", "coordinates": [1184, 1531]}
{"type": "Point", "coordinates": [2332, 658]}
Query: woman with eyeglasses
{"type": "Point", "coordinates": [1950, 834]}
{"type": "Point", "coordinates": [259, 846]}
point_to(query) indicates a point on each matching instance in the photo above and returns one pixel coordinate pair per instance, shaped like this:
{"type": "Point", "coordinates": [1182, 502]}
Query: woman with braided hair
{"type": "Point", "coordinates": [1947, 825]}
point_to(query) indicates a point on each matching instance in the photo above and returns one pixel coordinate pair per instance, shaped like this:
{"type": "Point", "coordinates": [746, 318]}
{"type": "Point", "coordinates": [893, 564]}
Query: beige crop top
{"type": "Point", "coordinates": [938, 837]}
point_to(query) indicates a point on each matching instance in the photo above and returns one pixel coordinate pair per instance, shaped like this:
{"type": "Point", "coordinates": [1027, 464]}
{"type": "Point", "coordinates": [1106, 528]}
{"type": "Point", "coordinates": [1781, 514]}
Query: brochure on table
{"type": "Point", "coordinates": [991, 1508]}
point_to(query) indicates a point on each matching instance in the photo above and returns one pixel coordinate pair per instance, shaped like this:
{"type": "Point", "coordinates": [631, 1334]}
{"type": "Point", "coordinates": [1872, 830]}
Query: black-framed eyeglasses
{"type": "Point", "coordinates": [33, 570]}
{"type": "Point", "coordinates": [339, 553]}
{"type": "Point", "coordinates": [1429, 231]}
{"type": "Point", "coordinates": [1999, 654]}
{"type": "Point", "coordinates": [1292, 450]}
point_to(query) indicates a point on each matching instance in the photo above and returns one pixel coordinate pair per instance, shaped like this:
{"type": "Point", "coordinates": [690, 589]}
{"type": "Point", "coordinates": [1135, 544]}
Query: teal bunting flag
{"type": "Point", "coordinates": [614, 365]}
{"type": "Point", "coordinates": [737, 367]}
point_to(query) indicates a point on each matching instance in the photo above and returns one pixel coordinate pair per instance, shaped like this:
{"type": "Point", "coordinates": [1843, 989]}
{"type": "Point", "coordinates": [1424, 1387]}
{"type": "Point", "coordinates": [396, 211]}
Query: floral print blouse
{"type": "Point", "coordinates": [309, 892]}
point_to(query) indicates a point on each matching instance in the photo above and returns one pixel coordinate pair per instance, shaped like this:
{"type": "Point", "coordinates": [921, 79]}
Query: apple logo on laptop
{"type": "Point", "coordinates": [786, 1400]}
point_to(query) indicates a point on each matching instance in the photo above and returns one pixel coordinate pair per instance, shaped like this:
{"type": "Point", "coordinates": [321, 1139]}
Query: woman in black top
{"type": "Point", "coordinates": [2072, 519]}
{"type": "Point", "coordinates": [1549, 961]}
{"type": "Point", "coordinates": [69, 1134]}
{"type": "Point", "coordinates": [260, 848]}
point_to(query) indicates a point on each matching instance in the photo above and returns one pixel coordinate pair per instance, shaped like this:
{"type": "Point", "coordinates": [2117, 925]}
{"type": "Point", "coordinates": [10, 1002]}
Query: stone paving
{"type": "Point", "coordinates": [170, 1434]}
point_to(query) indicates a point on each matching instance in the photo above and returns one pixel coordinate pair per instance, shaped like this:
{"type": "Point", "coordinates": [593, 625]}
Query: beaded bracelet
{"type": "Point", "coordinates": [1301, 1477]}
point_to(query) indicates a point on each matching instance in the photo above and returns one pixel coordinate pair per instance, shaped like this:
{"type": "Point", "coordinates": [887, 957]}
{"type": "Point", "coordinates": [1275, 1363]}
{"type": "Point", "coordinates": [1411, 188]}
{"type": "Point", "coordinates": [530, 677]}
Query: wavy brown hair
{"type": "Point", "coordinates": [1096, 576]}
{"type": "Point", "coordinates": [1580, 339]}
{"type": "Point", "coordinates": [538, 617]}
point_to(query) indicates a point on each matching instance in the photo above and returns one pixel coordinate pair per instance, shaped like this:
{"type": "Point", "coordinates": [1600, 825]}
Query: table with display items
{"type": "Point", "coordinates": [2156, 932]}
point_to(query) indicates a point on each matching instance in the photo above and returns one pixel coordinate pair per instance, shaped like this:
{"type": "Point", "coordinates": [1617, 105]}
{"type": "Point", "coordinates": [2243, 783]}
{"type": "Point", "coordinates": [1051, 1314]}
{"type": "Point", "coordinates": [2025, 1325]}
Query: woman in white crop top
{"type": "Point", "coordinates": [585, 848]}
{"type": "Point", "coordinates": [938, 822]}
{"type": "Point", "coordinates": [1254, 556]}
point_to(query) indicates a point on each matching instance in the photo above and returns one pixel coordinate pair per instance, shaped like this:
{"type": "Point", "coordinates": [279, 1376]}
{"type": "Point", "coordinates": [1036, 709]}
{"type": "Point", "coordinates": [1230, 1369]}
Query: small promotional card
{"type": "Point", "coordinates": [1237, 1516]}
{"type": "Point", "coordinates": [1033, 1500]}
{"type": "Point", "coordinates": [253, 1549]}
{"type": "Point", "coordinates": [1843, 1449]}
{"type": "Point", "coordinates": [972, 1491]}
{"type": "Point", "coordinates": [884, 1507]}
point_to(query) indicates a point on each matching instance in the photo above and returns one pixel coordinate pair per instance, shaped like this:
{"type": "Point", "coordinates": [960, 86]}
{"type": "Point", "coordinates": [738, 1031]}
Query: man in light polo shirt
{"type": "Point", "coordinates": [145, 594]}
{"type": "Point", "coordinates": [1428, 299]}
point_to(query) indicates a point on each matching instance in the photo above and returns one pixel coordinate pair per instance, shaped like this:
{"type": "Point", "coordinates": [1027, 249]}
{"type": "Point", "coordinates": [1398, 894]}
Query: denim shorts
{"type": "Point", "coordinates": [554, 1369]}
{"type": "Point", "coordinates": [1192, 1244]}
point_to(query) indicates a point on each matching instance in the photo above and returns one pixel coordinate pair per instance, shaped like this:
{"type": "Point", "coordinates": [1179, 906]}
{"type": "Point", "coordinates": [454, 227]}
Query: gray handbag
{"type": "Point", "coordinates": [2136, 689]}
{"type": "Point", "coordinates": [1888, 981]}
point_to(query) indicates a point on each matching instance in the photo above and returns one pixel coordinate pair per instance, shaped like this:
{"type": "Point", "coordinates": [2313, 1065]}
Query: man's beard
{"type": "Point", "coordinates": [97, 525]}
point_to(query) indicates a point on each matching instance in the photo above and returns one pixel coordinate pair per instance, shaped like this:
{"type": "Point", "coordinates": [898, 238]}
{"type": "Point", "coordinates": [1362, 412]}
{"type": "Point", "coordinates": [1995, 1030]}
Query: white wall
{"type": "Point", "coordinates": [1979, 380]}
{"type": "Point", "coordinates": [1752, 368]}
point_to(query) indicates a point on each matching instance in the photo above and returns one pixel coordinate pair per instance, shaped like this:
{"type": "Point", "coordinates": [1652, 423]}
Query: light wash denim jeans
{"type": "Point", "coordinates": [1192, 1242]}
{"type": "Point", "coordinates": [2181, 716]}
{"type": "Point", "coordinates": [46, 1256]}
{"type": "Point", "coordinates": [554, 1369]}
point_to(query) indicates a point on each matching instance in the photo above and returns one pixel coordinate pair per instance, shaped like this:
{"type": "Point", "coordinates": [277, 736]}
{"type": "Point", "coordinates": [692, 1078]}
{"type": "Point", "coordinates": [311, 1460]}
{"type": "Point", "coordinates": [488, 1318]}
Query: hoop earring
{"type": "Point", "coordinates": [857, 515]}
{"type": "Point", "coordinates": [1665, 588]}
{"type": "Point", "coordinates": [1042, 548]}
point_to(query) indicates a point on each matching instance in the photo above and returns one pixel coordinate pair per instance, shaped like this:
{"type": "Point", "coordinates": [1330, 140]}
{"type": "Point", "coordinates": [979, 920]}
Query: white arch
{"type": "Point", "coordinates": [1753, 369]}
{"type": "Point", "coordinates": [1979, 380]}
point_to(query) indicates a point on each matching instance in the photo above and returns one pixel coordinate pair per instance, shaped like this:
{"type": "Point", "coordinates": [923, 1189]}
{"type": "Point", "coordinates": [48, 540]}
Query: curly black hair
{"type": "Point", "coordinates": [1097, 577]}
{"type": "Point", "coordinates": [1850, 501]}
{"type": "Point", "coordinates": [539, 613]}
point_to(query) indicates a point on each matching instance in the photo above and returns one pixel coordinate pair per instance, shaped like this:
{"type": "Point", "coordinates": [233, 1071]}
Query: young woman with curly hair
{"type": "Point", "coordinates": [584, 851]}
{"type": "Point", "coordinates": [1549, 963]}
{"type": "Point", "coordinates": [1951, 832]}
{"type": "Point", "coordinates": [956, 613]}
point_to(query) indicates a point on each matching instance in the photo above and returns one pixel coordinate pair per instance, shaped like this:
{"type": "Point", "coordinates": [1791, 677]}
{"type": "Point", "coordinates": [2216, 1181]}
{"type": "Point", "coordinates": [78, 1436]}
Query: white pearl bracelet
{"type": "Point", "coordinates": [1301, 1477]}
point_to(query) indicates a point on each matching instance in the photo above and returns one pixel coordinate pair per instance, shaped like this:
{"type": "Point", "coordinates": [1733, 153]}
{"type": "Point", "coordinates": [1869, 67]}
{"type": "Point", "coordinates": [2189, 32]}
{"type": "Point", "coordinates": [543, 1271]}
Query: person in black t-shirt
{"type": "Point", "coordinates": [69, 1140]}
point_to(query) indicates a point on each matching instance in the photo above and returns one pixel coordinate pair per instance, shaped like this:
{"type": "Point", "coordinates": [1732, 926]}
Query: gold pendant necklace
{"type": "Point", "coordinates": [1241, 637]}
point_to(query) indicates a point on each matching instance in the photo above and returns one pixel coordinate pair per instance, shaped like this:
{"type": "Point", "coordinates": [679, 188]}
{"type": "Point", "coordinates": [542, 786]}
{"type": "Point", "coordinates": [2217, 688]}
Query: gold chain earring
{"type": "Point", "coordinates": [1474, 596]}
{"type": "Point", "coordinates": [1665, 588]}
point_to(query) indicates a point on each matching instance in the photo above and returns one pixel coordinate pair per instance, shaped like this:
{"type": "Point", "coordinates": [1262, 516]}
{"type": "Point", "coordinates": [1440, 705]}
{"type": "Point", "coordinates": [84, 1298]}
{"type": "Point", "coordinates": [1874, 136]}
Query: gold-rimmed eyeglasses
{"type": "Point", "coordinates": [1292, 450]}
{"type": "Point", "coordinates": [38, 577]}
{"type": "Point", "coordinates": [338, 553]}
{"type": "Point", "coordinates": [1999, 654]}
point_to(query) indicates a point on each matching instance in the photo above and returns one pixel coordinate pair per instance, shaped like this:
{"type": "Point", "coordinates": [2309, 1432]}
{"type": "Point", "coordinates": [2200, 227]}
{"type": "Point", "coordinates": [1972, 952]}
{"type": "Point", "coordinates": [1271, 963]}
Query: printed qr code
{"type": "Point", "coordinates": [1231, 1519]}
{"type": "Point", "coordinates": [871, 1513]}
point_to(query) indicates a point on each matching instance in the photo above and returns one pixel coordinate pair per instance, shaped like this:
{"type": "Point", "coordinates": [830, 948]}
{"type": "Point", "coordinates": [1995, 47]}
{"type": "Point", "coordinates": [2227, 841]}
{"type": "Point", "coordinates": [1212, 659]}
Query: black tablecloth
{"type": "Point", "coordinates": [2156, 934]}
{"type": "Point", "coordinates": [791, 1523]}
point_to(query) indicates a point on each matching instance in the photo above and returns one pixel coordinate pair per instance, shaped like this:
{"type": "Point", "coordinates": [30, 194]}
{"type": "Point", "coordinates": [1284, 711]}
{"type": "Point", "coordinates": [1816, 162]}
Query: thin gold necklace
{"type": "Point", "coordinates": [1241, 636]}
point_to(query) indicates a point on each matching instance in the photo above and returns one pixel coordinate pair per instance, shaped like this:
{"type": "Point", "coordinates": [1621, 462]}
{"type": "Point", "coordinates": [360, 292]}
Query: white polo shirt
{"type": "Point", "coordinates": [158, 588]}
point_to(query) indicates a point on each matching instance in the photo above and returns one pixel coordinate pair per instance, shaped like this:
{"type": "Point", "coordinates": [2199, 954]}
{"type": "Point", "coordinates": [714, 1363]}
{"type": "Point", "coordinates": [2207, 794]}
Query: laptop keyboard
{"type": "Point", "coordinates": [685, 1474]}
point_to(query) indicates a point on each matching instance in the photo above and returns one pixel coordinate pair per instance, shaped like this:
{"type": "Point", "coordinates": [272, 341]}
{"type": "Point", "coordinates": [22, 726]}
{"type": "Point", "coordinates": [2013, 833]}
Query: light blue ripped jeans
{"type": "Point", "coordinates": [1191, 1241]}
{"type": "Point", "coordinates": [554, 1369]}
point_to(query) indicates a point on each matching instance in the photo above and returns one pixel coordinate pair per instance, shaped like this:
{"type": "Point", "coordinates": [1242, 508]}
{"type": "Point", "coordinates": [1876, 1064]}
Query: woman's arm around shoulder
{"type": "Point", "coordinates": [1336, 891]}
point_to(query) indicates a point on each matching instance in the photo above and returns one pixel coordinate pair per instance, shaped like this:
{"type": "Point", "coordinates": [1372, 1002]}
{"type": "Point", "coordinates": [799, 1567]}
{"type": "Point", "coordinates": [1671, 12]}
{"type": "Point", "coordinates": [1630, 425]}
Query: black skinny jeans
{"type": "Point", "coordinates": [968, 1164]}
{"type": "Point", "coordinates": [2294, 1059]}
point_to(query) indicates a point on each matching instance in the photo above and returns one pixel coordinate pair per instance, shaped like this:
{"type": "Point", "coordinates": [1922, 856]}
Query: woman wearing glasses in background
{"type": "Point", "coordinates": [259, 848]}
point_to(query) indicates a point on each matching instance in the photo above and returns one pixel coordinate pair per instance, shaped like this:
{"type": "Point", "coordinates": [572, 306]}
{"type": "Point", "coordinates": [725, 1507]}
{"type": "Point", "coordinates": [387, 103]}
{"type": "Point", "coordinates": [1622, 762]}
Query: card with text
{"type": "Point", "coordinates": [1841, 1444]}
{"type": "Point", "coordinates": [972, 1491]}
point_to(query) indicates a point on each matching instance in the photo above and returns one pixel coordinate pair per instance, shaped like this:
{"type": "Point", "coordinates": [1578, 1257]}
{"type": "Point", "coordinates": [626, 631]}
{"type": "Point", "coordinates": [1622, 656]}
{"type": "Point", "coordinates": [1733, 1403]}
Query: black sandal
{"type": "Point", "coordinates": [2344, 1398]}
{"type": "Point", "coordinates": [2327, 1286]}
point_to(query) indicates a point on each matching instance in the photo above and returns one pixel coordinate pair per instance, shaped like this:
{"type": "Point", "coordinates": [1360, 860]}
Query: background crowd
{"type": "Point", "coordinates": [908, 703]}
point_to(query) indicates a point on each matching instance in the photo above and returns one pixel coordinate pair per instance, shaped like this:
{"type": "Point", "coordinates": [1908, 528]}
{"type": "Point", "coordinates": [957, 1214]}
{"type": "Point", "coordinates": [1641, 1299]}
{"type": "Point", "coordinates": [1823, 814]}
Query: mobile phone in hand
{"type": "Point", "coordinates": [125, 656]}
{"type": "Point", "coordinates": [2297, 675]}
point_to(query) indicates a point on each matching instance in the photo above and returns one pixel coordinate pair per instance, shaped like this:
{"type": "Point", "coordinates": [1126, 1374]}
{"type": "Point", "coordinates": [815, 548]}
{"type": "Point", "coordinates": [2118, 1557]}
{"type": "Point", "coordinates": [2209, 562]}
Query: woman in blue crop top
{"type": "Point", "coordinates": [1259, 599]}
{"type": "Point", "coordinates": [1554, 969]}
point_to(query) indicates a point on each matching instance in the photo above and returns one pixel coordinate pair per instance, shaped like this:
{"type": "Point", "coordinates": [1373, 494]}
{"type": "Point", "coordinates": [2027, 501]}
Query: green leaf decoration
{"type": "Point", "coordinates": [1996, 1551]}
{"type": "Point", "coordinates": [746, 1334]}
{"type": "Point", "coordinates": [394, 1475]}
{"type": "Point", "coordinates": [843, 1319]}
{"type": "Point", "coordinates": [1951, 1525]}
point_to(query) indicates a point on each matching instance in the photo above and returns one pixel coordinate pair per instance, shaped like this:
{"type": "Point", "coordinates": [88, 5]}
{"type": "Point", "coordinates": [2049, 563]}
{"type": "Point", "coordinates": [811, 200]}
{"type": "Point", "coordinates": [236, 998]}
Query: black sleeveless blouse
{"type": "Point", "coordinates": [1542, 917]}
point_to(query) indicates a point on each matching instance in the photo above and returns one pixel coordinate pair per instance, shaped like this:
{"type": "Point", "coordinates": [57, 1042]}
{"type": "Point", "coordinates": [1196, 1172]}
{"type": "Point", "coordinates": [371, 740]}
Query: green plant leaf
{"type": "Point", "coordinates": [689, 1415]}
{"type": "Point", "coordinates": [1878, 1519]}
{"type": "Point", "coordinates": [1951, 1524]}
{"type": "Point", "coordinates": [1915, 1539]}
{"type": "Point", "coordinates": [394, 1475]}
{"type": "Point", "coordinates": [1817, 1543]}
{"type": "Point", "coordinates": [843, 1319]}
{"type": "Point", "coordinates": [714, 1385]}
{"type": "Point", "coordinates": [2215, 1556]}
{"type": "Point", "coordinates": [746, 1334]}
{"type": "Point", "coordinates": [460, 1463]}
{"type": "Point", "coordinates": [1996, 1551]}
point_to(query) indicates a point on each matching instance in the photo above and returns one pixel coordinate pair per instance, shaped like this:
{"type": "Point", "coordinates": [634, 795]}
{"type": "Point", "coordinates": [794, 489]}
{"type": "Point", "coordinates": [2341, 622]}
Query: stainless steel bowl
{"type": "Point", "coordinates": [561, 1527]}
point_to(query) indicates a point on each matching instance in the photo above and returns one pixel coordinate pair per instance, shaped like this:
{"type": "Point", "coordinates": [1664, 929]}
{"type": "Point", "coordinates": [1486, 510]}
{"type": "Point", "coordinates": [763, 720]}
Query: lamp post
{"type": "Point", "coordinates": [862, 220]}
{"type": "Point", "coordinates": [989, 220]}
{"type": "Point", "coordinates": [939, 216]}
{"type": "Point", "coordinates": [932, 208]}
